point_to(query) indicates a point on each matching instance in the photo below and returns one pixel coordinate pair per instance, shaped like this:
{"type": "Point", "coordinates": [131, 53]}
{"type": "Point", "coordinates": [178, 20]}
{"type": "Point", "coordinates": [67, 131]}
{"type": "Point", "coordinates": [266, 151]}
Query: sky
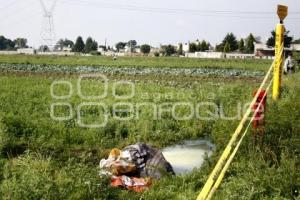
{"type": "Point", "coordinates": [153, 22]}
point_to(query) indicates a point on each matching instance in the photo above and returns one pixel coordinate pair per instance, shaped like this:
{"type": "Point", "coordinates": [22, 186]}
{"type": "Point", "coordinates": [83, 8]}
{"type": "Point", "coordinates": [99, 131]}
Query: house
{"type": "Point", "coordinates": [263, 51]}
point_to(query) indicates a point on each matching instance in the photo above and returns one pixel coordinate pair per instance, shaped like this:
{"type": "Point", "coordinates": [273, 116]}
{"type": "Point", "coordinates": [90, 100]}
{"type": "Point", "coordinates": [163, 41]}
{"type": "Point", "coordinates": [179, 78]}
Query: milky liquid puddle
{"type": "Point", "coordinates": [188, 155]}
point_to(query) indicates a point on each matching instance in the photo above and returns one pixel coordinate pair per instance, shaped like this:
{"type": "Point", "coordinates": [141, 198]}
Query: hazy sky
{"type": "Point", "coordinates": [147, 21]}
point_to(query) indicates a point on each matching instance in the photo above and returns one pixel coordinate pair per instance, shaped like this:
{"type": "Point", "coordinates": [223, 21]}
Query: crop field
{"type": "Point", "coordinates": [60, 116]}
{"type": "Point", "coordinates": [171, 62]}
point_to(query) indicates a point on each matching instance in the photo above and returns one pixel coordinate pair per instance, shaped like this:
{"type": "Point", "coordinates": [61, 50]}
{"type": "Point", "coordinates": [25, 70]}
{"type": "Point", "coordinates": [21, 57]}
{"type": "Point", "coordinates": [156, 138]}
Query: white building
{"type": "Point", "coordinates": [67, 49]}
{"type": "Point", "coordinates": [186, 47]}
{"type": "Point", "coordinates": [27, 51]}
{"type": "Point", "coordinates": [205, 55]}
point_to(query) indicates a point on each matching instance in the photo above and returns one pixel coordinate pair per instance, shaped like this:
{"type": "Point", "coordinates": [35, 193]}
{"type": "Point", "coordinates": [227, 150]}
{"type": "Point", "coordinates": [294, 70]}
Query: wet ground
{"type": "Point", "coordinates": [188, 155]}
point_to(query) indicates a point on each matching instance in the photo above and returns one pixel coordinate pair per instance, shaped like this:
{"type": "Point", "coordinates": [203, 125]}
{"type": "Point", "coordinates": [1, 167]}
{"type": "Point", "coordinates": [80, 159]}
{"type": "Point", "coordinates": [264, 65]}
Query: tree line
{"type": "Point", "coordinates": [8, 44]}
{"type": "Point", "coordinates": [228, 44]}
{"type": "Point", "coordinates": [91, 45]}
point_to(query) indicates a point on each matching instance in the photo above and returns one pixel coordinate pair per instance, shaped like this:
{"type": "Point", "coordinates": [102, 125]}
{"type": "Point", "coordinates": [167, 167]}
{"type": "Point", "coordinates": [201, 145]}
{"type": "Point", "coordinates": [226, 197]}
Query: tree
{"type": "Point", "coordinates": [2, 42]}
{"type": "Point", "coordinates": [120, 45]}
{"type": "Point", "coordinates": [227, 47]}
{"type": "Point", "coordinates": [145, 48]}
{"type": "Point", "coordinates": [180, 49]}
{"type": "Point", "coordinates": [297, 41]}
{"type": "Point", "coordinates": [10, 45]}
{"type": "Point", "coordinates": [241, 45]}
{"type": "Point", "coordinates": [90, 45]}
{"type": "Point", "coordinates": [168, 50]}
{"type": "Point", "coordinates": [59, 45]}
{"type": "Point", "coordinates": [219, 48]}
{"type": "Point", "coordinates": [287, 39]}
{"type": "Point", "coordinates": [203, 46]}
{"type": "Point", "coordinates": [6, 44]}
{"type": "Point", "coordinates": [193, 47]}
{"type": "Point", "coordinates": [68, 43]}
{"type": "Point", "coordinates": [79, 45]}
{"type": "Point", "coordinates": [232, 42]}
{"type": "Point", "coordinates": [44, 48]}
{"type": "Point", "coordinates": [21, 43]}
{"type": "Point", "coordinates": [62, 43]}
{"type": "Point", "coordinates": [250, 43]}
{"type": "Point", "coordinates": [132, 45]}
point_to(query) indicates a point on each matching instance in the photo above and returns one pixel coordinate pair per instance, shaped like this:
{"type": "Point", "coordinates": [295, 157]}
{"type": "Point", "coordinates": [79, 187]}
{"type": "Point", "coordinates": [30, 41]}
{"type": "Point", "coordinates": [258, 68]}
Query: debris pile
{"type": "Point", "coordinates": [135, 166]}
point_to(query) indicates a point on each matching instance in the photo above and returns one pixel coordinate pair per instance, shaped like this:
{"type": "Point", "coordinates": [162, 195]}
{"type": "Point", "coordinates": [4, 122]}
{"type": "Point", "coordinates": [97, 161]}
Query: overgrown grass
{"type": "Point", "coordinates": [45, 159]}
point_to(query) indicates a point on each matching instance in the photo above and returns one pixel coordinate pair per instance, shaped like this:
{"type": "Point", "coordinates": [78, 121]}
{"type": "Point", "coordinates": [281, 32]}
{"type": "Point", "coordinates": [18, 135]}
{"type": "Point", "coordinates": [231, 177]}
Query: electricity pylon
{"type": "Point", "coordinates": [48, 32]}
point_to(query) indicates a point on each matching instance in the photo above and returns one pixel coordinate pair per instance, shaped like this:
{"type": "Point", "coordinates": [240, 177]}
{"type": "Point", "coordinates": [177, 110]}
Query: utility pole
{"type": "Point", "coordinates": [47, 31]}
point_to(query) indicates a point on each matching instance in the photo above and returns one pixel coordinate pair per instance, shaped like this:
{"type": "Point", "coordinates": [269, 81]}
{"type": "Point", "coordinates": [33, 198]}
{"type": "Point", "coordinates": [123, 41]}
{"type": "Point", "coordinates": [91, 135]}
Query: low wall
{"type": "Point", "coordinates": [8, 53]}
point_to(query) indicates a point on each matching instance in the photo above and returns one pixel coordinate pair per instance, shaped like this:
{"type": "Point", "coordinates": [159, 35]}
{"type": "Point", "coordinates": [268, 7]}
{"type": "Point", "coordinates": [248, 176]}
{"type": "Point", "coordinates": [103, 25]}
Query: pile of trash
{"type": "Point", "coordinates": [135, 166]}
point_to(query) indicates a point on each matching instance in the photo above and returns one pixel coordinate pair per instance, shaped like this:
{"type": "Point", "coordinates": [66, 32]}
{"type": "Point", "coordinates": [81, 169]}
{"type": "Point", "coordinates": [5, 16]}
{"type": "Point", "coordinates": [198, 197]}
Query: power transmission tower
{"type": "Point", "coordinates": [48, 32]}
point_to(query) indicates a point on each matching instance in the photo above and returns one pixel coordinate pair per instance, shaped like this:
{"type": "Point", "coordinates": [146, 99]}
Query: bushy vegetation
{"type": "Point", "coordinates": [45, 159]}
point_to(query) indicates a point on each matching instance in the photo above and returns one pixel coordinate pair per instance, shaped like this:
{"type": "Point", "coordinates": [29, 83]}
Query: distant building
{"type": "Point", "coordinates": [8, 52]}
{"type": "Point", "coordinates": [101, 49]}
{"type": "Point", "coordinates": [263, 51]}
{"type": "Point", "coordinates": [154, 49]}
{"type": "Point", "coordinates": [138, 50]}
{"type": "Point", "coordinates": [239, 56]}
{"type": "Point", "coordinates": [127, 49]}
{"type": "Point", "coordinates": [205, 55]}
{"type": "Point", "coordinates": [295, 47]}
{"type": "Point", "coordinates": [67, 49]}
{"type": "Point", "coordinates": [130, 49]}
{"type": "Point", "coordinates": [186, 47]}
{"type": "Point", "coordinates": [27, 51]}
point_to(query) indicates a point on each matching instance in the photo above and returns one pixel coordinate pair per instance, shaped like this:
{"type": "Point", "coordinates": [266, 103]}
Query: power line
{"type": "Point", "coordinates": [209, 13]}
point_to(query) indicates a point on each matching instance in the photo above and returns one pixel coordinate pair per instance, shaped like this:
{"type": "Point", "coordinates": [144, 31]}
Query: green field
{"type": "Point", "coordinates": [249, 64]}
{"type": "Point", "coordinates": [42, 158]}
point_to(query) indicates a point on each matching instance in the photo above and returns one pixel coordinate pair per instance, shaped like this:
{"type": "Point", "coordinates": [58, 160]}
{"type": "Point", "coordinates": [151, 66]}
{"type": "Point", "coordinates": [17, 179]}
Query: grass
{"type": "Point", "coordinates": [249, 64]}
{"type": "Point", "coordinates": [45, 159]}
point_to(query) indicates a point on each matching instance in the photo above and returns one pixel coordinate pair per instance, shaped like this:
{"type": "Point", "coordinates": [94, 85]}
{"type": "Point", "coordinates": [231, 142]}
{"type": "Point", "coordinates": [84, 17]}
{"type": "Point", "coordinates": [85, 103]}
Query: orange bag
{"type": "Point", "coordinates": [131, 183]}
